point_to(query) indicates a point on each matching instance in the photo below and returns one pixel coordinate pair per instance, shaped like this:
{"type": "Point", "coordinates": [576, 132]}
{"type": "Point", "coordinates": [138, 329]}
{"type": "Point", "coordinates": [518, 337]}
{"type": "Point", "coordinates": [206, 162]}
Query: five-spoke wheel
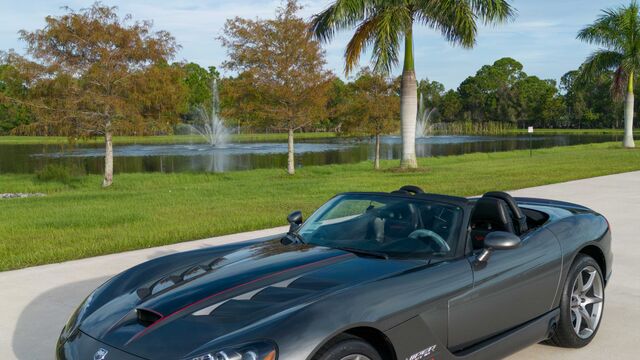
{"type": "Point", "coordinates": [586, 302]}
{"type": "Point", "coordinates": [347, 347]}
{"type": "Point", "coordinates": [581, 305]}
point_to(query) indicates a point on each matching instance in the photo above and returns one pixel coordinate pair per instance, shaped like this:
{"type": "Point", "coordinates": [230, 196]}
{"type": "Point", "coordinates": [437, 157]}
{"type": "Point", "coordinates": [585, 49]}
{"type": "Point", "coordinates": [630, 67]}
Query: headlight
{"type": "Point", "coordinates": [256, 351]}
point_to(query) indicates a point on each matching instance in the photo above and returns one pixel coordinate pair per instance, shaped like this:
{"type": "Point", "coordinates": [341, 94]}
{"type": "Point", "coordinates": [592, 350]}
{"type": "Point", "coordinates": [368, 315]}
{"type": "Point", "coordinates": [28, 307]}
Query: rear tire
{"type": "Point", "coordinates": [581, 305]}
{"type": "Point", "coordinates": [346, 347]}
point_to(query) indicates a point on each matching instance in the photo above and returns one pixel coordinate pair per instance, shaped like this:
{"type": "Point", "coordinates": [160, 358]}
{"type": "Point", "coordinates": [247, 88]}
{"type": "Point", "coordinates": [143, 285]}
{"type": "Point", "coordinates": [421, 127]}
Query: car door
{"type": "Point", "coordinates": [511, 288]}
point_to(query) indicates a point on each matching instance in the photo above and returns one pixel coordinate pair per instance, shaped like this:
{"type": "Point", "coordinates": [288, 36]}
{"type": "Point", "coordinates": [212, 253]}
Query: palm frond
{"type": "Point", "coordinates": [455, 19]}
{"type": "Point", "coordinates": [390, 29]}
{"type": "Point", "coordinates": [615, 29]}
{"type": "Point", "coordinates": [618, 86]}
{"type": "Point", "coordinates": [362, 39]}
{"type": "Point", "coordinates": [599, 62]}
{"type": "Point", "coordinates": [383, 30]}
{"type": "Point", "coordinates": [342, 14]}
{"type": "Point", "coordinates": [491, 11]}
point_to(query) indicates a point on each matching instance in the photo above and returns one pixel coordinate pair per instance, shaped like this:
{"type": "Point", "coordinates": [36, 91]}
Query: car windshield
{"type": "Point", "coordinates": [396, 227]}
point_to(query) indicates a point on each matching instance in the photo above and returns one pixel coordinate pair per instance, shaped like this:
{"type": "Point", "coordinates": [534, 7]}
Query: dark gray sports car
{"type": "Point", "coordinates": [403, 275]}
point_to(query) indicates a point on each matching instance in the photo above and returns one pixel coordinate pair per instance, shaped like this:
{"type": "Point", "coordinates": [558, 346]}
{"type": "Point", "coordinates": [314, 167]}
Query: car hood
{"type": "Point", "coordinates": [173, 315]}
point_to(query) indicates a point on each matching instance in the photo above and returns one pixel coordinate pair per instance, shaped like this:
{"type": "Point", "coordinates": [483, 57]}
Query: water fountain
{"type": "Point", "coordinates": [210, 125]}
{"type": "Point", "coordinates": [423, 126]}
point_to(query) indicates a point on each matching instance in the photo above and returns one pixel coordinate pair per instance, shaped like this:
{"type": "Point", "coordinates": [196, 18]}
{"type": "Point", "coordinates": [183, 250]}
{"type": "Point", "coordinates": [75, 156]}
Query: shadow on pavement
{"type": "Point", "coordinates": [42, 320]}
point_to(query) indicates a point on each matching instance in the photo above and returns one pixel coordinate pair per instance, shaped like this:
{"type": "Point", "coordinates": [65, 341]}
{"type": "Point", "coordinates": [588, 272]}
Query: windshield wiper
{"type": "Point", "coordinates": [375, 254]}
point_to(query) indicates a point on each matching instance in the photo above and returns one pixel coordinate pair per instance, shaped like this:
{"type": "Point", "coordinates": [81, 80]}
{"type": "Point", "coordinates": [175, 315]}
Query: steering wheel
{"type": "Point", "coordinates": [424, 234]}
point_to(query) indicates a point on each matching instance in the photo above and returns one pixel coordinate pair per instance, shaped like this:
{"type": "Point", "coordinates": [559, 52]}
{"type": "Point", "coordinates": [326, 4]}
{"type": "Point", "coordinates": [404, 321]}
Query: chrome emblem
{"type": "Point", "coordinates": [101, 354]}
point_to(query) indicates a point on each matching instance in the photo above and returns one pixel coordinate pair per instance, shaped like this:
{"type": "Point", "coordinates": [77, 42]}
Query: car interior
{"type": "Point", "coordinates": [499, 211]}
{"type": "Point", "coordinates": [395, 226]}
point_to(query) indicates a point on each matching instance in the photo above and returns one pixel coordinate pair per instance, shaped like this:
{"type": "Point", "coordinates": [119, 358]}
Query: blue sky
{"type": "Point", "coordinates": [542, 37]}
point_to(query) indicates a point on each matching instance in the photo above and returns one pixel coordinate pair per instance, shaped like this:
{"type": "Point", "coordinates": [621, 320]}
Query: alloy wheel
{"type": "Point", "coordinates": [355, 357]}
{"type": "Point", "coordinates": [587, 299]}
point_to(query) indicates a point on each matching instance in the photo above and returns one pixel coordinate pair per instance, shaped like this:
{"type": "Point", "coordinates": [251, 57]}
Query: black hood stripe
{"type": "Point", "coordinates": [163, 319]}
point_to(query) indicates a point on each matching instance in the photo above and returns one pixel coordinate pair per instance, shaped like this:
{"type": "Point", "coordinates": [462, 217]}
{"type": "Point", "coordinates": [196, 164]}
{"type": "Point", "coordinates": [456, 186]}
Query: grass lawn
{"type": "Point", "coordinates": [144, 210]}
{"type": "Point", "coordinates": [161, 139]}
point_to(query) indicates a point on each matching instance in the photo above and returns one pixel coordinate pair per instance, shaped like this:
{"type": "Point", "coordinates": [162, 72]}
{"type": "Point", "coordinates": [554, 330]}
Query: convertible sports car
{"type": "Point", "coordinates": [403, 275]}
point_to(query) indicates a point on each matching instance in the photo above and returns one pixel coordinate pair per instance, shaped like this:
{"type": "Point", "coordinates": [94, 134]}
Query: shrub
{"type": "Point", "coordinates": [65, 174]}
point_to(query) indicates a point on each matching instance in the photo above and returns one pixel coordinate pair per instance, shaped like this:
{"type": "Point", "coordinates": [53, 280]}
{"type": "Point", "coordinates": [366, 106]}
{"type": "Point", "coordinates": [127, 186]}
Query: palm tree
{"type": "Point", "coordinates": [383, 24]}
{"type": "Point", "coordinates": [617, 31]}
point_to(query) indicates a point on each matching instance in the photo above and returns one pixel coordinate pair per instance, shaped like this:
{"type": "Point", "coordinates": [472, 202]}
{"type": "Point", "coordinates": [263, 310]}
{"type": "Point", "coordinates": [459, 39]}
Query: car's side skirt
{"type": "Point", "coordinates": [413, 340]}
{"type": "Point", "coordinates": [513, 340]}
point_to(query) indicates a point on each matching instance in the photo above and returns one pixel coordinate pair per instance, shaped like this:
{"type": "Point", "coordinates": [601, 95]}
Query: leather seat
{"type": "Point", "coordinates": [519, 219]}
{"type": "Point", "coordinates": [489, 214]}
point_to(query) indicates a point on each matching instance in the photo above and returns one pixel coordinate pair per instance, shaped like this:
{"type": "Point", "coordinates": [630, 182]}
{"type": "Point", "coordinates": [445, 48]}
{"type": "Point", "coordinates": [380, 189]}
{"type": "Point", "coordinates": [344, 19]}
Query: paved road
{"type": "Point", "coordinates": [35, 302]}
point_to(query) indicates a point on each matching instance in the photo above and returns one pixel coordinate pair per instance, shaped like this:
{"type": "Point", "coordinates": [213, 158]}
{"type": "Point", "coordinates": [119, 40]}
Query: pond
{"type": "Point", "coordinates": [246, 156]}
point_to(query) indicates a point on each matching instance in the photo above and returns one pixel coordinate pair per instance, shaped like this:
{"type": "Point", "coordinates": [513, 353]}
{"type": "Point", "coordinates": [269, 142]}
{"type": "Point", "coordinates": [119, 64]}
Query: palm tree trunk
{"type": "Point", "coordinates": [408, 105]}
{"type": "Point", "coordinates": [291, 169]}
{"type": "Point", "coordinates": [108, 159]}
{"type": "Point", "coordinates": [628, 116]}
{"type": "Point", "coordinates": [376, 163]}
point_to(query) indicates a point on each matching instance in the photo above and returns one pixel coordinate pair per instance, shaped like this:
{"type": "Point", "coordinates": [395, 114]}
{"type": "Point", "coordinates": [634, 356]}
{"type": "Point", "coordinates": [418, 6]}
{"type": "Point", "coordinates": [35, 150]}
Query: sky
{"type": "Point", "coordinates": [542, 37]}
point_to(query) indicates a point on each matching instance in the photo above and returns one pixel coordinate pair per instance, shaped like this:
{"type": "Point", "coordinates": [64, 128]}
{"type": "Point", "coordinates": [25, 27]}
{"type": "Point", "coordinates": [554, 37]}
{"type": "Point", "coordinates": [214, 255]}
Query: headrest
{"type": "Point", "coordinates": [491, 209]}
{"type": "Point", "coordinates": [409, 189]}
{"type": "Point", "coordinates": [519, 217]}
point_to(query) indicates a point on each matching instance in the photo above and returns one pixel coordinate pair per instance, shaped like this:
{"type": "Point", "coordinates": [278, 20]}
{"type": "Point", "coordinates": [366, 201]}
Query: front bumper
{"type": "Point", "coordinates": [82, 347]}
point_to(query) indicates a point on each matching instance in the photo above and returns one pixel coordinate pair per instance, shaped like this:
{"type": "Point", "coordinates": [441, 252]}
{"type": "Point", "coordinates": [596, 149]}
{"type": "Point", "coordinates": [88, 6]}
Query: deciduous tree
{"type": "Point", "coordinates": [282, 78]}
{"type": "Point", "coordinates": [12, 114]}
{"type": "Point", "coordinates": [198, 81]}
{"type": "Point", "coordinates": [372, 108]}
{"type": "Point", "coordinates": [96, 73]}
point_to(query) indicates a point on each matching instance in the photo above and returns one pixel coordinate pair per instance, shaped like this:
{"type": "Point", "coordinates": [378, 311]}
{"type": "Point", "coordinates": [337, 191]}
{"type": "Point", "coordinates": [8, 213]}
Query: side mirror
{"type": "Point", "coordinates": [498, 240]}
{"type": "Point", "coordinates": [295, 220]}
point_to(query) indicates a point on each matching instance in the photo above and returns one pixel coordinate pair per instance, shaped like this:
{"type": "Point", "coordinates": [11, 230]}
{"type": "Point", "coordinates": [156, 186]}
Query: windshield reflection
{"type": "Point", "coordinates": [391, 226]}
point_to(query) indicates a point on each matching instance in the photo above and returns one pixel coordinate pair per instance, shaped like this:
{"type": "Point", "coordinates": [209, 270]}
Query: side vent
{"type": "Point", "coordinates": [147, 317]}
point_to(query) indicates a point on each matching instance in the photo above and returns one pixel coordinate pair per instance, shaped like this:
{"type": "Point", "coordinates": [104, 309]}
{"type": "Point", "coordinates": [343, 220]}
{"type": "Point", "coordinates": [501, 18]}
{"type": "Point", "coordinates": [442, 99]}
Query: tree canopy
{"type": "Point", "coordinates": [372, 107]}
{"type": "Point", "coordinates": [281, 79]}
{"type": "Point", "coordinates": [95, 73]}
{"type": "Point", "coordinates": [504, 92]}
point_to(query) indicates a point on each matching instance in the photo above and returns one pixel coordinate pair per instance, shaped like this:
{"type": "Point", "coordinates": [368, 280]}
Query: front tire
{"type": "Point", "coordinates": [581, 305]}
{"type": "Point", "coordinates": [347, 347]}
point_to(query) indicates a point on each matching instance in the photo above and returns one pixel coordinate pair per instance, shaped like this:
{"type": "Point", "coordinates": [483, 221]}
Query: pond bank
{"type": "Point", "coordinates": [143, 210]}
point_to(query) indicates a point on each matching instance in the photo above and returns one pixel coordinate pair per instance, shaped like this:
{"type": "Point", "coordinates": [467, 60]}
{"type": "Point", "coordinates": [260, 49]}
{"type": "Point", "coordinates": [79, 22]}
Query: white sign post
{"type": "Point", "coordinates": [530, 131]}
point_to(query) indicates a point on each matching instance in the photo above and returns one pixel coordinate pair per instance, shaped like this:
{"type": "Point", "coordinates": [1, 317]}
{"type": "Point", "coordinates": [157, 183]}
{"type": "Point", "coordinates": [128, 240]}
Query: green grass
{"type": "Point", "coordinates": [161, 139]}
{"type": "Point", "coordinates": [144, 210]}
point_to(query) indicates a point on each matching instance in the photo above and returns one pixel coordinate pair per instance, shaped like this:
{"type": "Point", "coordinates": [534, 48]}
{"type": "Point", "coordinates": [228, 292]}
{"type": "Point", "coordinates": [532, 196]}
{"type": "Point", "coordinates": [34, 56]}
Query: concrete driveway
{"type": "Point", "coordinates": [35, 302]}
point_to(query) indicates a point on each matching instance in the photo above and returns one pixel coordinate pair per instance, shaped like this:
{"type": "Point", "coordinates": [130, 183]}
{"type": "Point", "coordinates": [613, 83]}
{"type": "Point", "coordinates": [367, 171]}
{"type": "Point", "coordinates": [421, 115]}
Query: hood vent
{"type": "Point", "coordinates": [147, 317]}
{"type": "Point", "coordinates": [314, 284]}
{"type": "Point", "coordinates": [176, 279]}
